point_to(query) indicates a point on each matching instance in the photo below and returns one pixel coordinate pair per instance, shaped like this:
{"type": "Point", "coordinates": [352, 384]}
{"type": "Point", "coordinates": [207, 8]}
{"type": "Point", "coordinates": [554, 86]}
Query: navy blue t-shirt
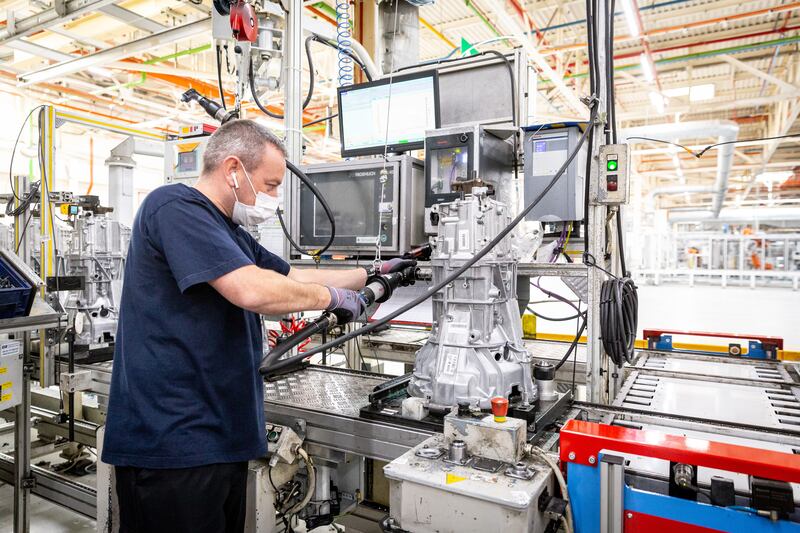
{"type": "Point", "coordinates": [185, 389]}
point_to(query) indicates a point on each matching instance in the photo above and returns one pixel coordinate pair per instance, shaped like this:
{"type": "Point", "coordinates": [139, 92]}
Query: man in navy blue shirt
{"type": "Point", "coordinates": [186, 408]}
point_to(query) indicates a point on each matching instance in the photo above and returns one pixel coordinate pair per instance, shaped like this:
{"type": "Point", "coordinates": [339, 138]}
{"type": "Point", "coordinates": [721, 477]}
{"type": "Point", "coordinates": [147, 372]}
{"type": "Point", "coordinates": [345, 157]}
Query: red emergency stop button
{"type": "Point", "coordinates": [611, 182]}
{"type": "Point", "coordinates": [499, 409]}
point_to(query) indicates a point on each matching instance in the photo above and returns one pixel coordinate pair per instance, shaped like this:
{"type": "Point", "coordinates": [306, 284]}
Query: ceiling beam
{"type": "Point", "coordinates": [49, 17]}
{"type": "Point", "coordinates": [78, 38]}
{"type": "Point", "coordinates": [116, 53]}
{"type": "Point", "coordinates": [38, 50]}
{"type": "Point", "coordinates": [132, 19]}
{"type": "Point", "coordinates": [741, 65]}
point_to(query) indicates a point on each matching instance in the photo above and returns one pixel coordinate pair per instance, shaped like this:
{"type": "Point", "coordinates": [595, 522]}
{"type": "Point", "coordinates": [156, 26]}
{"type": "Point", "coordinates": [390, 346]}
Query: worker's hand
{"type": "Point", "coordinates": [347, 305]}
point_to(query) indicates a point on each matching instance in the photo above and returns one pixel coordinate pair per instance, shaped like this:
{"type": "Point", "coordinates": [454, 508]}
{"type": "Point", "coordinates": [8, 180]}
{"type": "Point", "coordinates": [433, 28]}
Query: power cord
{"type": "Point", "coordinates": [325, 207]}
{"type": "Point", "coordinates": [699, 153]}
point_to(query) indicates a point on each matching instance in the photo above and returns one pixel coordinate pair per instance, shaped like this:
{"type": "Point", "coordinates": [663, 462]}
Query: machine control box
{"type": "Point", "coordinates": [365, 209]}
{"type": "Point", "coordinates": [546, 148]}
{"type": "Point", "coordinates": [10, 374]}
{"type": "Point", "coordinates": [460, 158]}
{"type": "Point", "coordinates": [183, 159]}
{"type": "Point", "coordinates": [613, 185]}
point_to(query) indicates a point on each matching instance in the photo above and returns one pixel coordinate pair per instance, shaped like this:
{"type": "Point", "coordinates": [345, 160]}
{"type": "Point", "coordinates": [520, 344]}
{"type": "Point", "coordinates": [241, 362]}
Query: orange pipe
{"type": "Point", "coordinates": [321, 15]}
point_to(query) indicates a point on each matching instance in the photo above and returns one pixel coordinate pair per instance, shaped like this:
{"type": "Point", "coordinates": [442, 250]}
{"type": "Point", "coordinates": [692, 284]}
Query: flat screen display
{"type": "Point", "coordinates": [395, 116]}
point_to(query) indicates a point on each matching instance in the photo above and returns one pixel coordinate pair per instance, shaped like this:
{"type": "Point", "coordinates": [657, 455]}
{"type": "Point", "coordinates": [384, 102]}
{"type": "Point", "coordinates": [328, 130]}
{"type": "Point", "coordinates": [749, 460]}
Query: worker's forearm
{"type": "Point", "coordinates": [352, 278]}
{"type": "Point", "coordinates": [290, 296]}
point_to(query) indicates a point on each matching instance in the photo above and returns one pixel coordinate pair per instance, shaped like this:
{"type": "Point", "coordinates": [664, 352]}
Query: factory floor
{"type": "Point", "coordinates": [46, 517]}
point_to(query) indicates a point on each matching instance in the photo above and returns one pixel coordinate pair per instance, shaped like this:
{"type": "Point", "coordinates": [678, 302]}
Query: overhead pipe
{"type": "Point", "coordinates": [701, 55]}
{"type": "Point", "coordinates": [728, 215]}
{"type": "Point", "coordinates": [683, 27]}
{"type": "Point", "coordinates": [723, 130]}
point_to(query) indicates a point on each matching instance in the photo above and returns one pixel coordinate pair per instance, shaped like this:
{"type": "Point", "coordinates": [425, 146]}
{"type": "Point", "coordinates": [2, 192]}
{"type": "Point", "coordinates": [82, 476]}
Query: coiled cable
{"type": "Point", "coordinates": [344, 43]}
{"type": "Point", "coordinates": [619, 309]}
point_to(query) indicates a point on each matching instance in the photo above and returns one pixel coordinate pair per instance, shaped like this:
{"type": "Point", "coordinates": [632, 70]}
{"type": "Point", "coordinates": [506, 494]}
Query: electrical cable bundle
{"type": "Point", "coordinates": [619, 308]}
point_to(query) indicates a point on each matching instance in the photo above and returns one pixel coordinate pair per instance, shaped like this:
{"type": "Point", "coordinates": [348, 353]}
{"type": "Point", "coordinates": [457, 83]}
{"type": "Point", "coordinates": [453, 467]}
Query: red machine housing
{"type": "Point", "coordinates": [244, 22]}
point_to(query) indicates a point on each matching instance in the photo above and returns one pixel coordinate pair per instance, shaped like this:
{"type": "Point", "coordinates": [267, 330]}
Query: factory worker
{"type": "Point", "coordinates": [186, 409]}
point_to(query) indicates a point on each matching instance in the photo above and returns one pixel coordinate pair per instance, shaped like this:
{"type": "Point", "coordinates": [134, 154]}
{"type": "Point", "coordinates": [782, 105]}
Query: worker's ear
{"type": "Point", "coordinates": [230, 166]}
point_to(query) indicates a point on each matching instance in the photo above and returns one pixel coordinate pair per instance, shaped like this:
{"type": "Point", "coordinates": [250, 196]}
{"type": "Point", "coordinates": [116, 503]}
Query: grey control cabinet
{"type": "Point", "coordinates": [546, 148]}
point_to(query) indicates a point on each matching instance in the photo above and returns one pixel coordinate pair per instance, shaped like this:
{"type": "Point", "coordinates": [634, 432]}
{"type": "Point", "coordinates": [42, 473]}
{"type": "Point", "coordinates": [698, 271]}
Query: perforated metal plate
{"type": "Point", "coordinates": [322, 389]}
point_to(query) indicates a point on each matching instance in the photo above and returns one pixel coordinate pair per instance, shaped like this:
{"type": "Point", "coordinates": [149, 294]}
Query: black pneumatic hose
{"type": "Point", "coordinates": [310, 93]}
{"type": "Point", "coordinates": [449, 279]}
{"type": "Point", "coordinates": [219, 78]}
{"type": "Point", "coordinates": [325, 207]}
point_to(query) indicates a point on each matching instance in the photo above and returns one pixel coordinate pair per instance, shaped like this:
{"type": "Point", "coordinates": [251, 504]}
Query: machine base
{"type": "Point", "coordinates": [539, 415]}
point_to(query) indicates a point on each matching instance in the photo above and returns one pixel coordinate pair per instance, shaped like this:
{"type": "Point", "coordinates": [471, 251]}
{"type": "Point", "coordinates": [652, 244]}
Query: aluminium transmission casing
{"type": "Point", "coordinates": [475, 350]}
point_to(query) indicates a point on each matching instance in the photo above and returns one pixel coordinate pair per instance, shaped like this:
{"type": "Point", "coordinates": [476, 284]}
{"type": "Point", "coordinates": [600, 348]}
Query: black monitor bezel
{"type": "Point", "coordinates": [391, 148]}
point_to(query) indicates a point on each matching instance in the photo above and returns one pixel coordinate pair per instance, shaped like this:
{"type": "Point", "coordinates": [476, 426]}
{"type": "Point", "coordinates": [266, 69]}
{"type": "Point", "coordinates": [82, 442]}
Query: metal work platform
{"type": "Point", "coordinates": [766, 405]}
{"type": "Point", "coordinates": [323, 403]}
{"type": "Point", "coordinates": [735, 368]}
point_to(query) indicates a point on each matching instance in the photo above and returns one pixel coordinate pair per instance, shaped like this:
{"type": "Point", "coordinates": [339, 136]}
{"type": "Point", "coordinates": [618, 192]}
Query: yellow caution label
{"type": "Point", "coordinates": [452, 478]}
{"type": "Point", "coordinates": [187, 147]}
{"type": "Point", "coordinates": [6, 385]}
{"type": "Point", "coordinates": [3, 369]}
{"type": "Point", "coordinates": [5, 397]}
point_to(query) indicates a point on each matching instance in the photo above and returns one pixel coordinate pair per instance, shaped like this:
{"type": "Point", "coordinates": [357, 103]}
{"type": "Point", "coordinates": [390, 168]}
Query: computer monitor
{"type": "Point", "coordinates": [410, 103]}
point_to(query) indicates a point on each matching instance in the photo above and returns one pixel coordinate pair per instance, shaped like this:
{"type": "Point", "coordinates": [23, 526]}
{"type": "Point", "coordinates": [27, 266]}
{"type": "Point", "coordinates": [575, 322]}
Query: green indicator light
{"type": "Point", "coordinates": [611, 165]}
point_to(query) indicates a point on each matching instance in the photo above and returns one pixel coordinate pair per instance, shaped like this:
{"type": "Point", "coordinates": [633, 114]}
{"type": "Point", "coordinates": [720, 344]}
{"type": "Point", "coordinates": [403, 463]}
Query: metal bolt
{"type": "Point", "coordinates": [591, 459]}
{"type": "Point", "coordinates": [630, 515]}
{"type": "Point", "coordinates": [571, 456]}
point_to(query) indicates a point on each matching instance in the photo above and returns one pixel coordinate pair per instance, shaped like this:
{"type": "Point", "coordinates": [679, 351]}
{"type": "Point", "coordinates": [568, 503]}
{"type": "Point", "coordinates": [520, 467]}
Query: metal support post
{"type": "Point", "coordinates": [22, 445]}
{"type": "Point", "coordinates": [48, 245]}
{"type": "Point", "coordinates": [293, 112]}
{"type": "Point", "coordinates": [596, 357]}
{"type": "Point", "coordinates": [612, 484]}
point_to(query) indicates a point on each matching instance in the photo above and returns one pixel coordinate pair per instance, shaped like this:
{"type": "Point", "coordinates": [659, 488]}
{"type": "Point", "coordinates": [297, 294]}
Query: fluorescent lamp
{"type": "Point", "coordinates": [769, 178]}
{"type": "Point", "coordinates": [630, 9]}
{"type": "Point", "coordinates": [647, 68]}
{"type": "Point", "coordinates": [699, 93]}
{"type": "Point", "coordinates": [658, 101]}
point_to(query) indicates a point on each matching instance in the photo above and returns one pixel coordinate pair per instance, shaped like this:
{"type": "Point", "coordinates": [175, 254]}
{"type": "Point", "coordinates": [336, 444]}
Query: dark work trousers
{"type": "Point", "coordinates": [210, 498]}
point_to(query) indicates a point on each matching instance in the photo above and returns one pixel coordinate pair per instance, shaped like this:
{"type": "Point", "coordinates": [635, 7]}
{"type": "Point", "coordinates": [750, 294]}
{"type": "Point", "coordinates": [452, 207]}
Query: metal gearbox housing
{"type": "Point", "coordinates": [475, 350]}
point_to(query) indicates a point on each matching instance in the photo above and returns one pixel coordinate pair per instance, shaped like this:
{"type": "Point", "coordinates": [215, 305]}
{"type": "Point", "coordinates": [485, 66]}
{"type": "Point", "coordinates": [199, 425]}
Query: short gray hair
{"type": "Point", "coordinates": [244, 139]}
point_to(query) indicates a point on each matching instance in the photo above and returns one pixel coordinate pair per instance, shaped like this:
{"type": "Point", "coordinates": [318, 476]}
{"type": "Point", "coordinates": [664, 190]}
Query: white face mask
{"type": "Point", "coordinates": [264, 208]}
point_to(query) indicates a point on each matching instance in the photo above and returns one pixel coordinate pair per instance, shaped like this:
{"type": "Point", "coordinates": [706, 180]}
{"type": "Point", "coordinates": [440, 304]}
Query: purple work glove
{"type": "Point", "coordinates": [347, 305]}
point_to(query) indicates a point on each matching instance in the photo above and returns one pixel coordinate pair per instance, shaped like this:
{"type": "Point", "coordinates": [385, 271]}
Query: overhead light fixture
{"type": "Point", "coordinates": [696, 93]}
{"type": "Point", "coordinates": [658, 101]}
{"type": "Point", "coordinates": [768, 178]}
{"type": "Point", "coordinates": [648, 69]}
{"type": "Point", "coordinates": [631, 10]}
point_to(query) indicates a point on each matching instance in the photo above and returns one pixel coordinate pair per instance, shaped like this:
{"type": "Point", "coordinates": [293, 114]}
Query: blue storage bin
{"type": "Point", "coordinates": [17, 300]}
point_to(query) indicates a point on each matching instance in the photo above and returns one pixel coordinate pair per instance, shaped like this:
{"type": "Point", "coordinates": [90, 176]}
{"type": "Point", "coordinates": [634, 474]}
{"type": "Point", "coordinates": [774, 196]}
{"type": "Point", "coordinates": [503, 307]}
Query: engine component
{"type": "Point", "coordinates": [475, 350]}
{"type": "Point", "coordinates": [545, 373]}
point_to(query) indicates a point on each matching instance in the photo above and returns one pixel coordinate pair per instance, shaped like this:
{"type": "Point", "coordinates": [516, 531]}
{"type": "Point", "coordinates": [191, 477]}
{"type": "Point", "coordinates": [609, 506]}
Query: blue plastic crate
{"type": "Point", "coordinates": [15, 301]}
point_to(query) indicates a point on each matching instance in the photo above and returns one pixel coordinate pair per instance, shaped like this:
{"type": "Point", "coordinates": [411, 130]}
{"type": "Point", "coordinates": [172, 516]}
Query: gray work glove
{"type": "Point", "coordinates": [347, 305]}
